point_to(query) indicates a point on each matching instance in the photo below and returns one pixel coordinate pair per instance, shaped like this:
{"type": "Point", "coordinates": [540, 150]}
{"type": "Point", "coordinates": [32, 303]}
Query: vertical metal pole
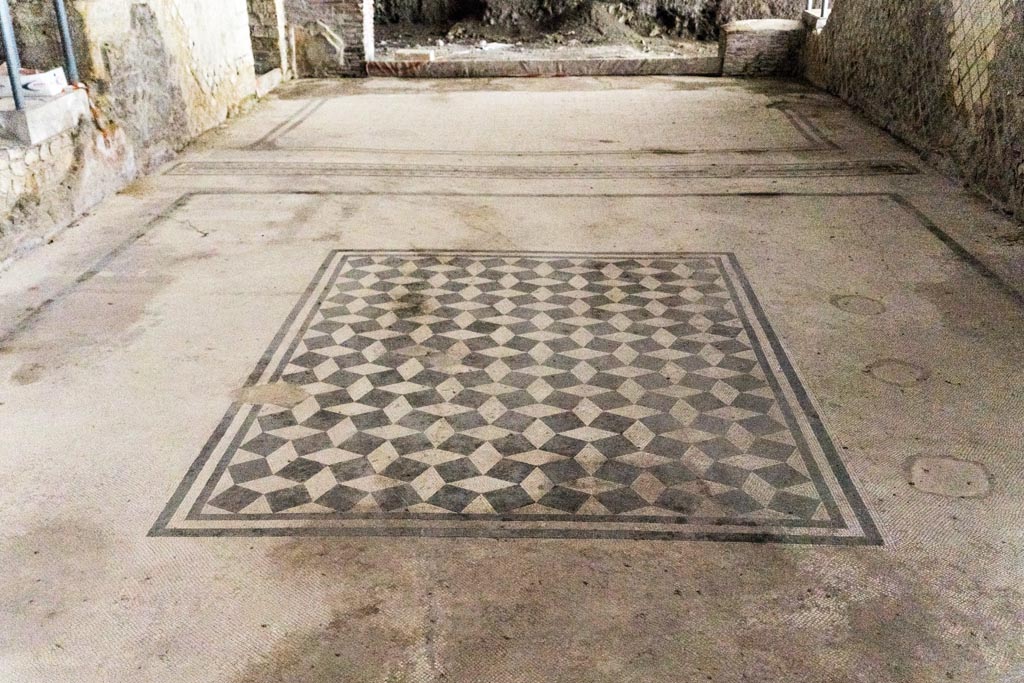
{"type": "Point", "coordinates": [11, 50]}
{"type": "Point", "coordinates": [65, 40]}
{"type": "Point", "coordinates": [824, 8]}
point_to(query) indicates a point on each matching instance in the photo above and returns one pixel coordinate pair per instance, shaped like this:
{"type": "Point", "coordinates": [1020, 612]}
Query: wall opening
{"type": "Point", "coordinates": [462, 27]}
{"type": "Point", "coordinates": [267, 27]}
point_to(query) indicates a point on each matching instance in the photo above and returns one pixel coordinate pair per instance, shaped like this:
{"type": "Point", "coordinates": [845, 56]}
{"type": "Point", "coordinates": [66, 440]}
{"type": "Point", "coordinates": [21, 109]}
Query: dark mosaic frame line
{"type": "Point", "coordinates": [825, 169]}
{"type": "Point", "coordinates": [817, 139]}
{"type": "Point", "coordinates": [855, 503]}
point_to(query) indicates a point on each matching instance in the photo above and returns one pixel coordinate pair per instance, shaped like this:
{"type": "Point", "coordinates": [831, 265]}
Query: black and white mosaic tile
{"type": "Point", "coordinates": [498, 394]}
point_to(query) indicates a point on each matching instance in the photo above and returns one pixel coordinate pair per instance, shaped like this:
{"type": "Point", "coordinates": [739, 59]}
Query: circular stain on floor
{"type": "Point", "coordinates": [857, 304]}
{"type": "Point", "coordinates": [950, 477]}
{"type": "Point", "coordinates": [897, 372]}
{"type": "Point", "coordinates": [28, 373]}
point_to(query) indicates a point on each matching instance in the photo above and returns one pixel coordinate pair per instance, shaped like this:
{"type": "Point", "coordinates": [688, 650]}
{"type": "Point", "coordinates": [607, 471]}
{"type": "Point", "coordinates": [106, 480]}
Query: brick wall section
{"type": "Point", "coordinates": [761, 47]}
{"type": "Point", "coordinates": [328, 37]}
{"type": "Point", "coordinates": [946, 76]}
{"type": "Point", "coordinates": [266, 35]}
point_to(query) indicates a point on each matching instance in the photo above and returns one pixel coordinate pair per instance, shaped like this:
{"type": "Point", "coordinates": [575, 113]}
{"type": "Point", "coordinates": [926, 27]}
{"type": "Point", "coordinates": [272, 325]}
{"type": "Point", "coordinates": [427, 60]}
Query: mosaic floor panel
{"type": "Point", "coordinates": [524, 394]}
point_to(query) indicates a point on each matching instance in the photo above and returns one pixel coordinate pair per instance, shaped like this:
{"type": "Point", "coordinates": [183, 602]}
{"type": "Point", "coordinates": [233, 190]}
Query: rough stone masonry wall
{"type": "Point", "coordinates": [29, 174]}
{"type": "Point", "coordinates": [946, 76]}
{"type": "Point", "coordinates": [160, 72]}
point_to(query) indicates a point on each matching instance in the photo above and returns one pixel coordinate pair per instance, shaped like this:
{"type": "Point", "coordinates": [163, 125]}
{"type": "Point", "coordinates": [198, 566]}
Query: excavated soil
{"type": "Point", "coordinates": [601, 24]}
{"type": "Point", "coordinates": [673, 26]}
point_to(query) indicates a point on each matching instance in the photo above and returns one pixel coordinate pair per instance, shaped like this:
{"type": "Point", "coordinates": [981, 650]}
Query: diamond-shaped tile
{"type": "Point", "coordinates": [538, 433]}
{"type": "Point", "coordinates": [639, 435]}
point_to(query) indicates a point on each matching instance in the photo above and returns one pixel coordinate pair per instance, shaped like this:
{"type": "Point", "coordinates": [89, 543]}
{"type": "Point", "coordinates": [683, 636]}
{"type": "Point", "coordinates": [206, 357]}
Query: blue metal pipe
{"type": "Point", "coordinates": [11, 51]}
{"type": "Point", "coordinates": [65, 40]}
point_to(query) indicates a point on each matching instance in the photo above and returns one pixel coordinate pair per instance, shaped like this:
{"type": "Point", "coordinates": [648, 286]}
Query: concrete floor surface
{"type": "Point", "coordinates": [869, 308]}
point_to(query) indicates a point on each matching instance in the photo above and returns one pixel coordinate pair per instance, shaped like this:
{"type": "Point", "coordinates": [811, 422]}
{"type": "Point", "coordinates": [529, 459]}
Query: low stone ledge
{"type": "Point", "coordinates": [44, 119]}
{"type": "Point", "coordinates": [532, 68]}
{"type": "Point", "coordinates": [761, 47]}
{"type": "Point", "coordinates": [814, 20]}
{"type": "Point", "coordinates": [266, 83]}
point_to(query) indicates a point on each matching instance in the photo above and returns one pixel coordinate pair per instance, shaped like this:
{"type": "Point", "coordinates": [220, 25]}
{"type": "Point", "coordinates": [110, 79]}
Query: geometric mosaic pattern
{"type": "Point", "coordinates": [638, 396]}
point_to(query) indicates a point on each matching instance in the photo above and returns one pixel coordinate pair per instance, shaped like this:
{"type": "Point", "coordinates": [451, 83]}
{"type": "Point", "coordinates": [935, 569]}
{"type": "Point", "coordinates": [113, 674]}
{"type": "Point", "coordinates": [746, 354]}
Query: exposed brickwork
{"type": "Point", "coordinates": [328, 36]}
{"type": "Point", "coordinates": [265, 26]}
{"type": "Point", "coordinates": [761, 47]}
{"type": "Point", "coordinates": [947, 76]}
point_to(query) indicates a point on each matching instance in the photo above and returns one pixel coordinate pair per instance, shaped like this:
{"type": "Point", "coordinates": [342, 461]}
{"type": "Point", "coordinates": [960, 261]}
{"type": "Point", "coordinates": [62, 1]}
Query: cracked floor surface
{"type": "Point", "coordinates": [596, 379]}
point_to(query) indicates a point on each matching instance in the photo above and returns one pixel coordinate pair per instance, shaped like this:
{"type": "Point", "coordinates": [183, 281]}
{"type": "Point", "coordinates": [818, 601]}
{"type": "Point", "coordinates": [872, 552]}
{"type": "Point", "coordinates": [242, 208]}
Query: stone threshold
{"type": "Point", "coordinates": [513, 68]}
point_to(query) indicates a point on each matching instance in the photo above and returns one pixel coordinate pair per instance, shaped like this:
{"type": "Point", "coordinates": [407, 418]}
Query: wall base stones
{"type": "Point", "coordinates": [44, 187]}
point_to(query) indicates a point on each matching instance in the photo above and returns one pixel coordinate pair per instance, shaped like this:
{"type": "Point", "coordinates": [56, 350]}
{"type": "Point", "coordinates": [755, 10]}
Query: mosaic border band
{"type": "Point", "coordinates": [812, 169]}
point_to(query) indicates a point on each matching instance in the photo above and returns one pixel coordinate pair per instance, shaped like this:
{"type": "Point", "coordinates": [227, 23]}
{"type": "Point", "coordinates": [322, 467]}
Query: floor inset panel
{"type": "Point", "coordinates": [727, 122]}
{"type": "Point", "coordinates": [526, 394]}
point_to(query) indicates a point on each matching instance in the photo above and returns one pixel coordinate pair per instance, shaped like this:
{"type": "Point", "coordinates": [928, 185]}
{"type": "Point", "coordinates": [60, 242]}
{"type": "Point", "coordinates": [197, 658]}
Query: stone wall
{"type": "Point", "coordinates": [946, 76]}
{"type": "Point", "coordinates": [46, 186]}
{"type": "Point", "coordinates": [169, 70]}
{"type": "Point", "coordinates": [166, 70]}
{"type": "Point", "coordinates": [159, 73]}
{"type": "Point", "coordinates": [27, 174]}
